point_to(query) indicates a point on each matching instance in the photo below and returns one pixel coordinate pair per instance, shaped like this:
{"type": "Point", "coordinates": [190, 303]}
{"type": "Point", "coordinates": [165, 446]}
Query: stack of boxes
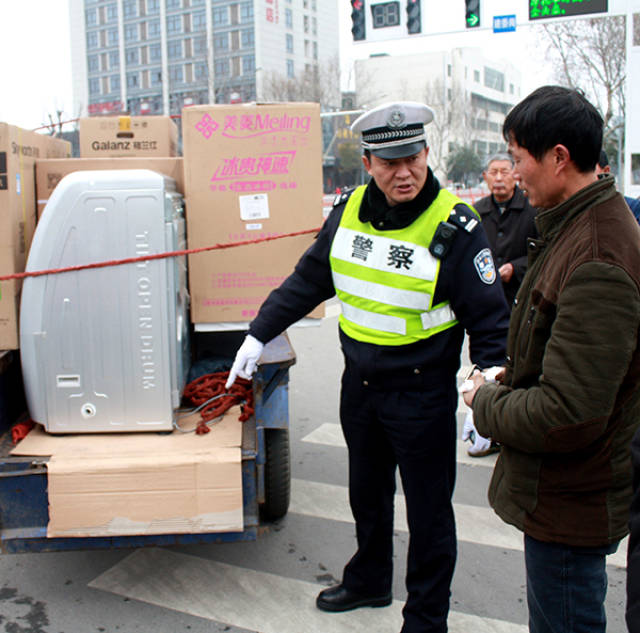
{"type": "Point", "coordinates": [19, 151]}
{"type": "Point", "coordinates": [249, 171]}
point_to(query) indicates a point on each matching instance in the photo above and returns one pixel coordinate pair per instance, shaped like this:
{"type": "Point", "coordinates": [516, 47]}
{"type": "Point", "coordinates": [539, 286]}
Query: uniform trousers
{"type": "Point", "coordinates": [413, 431]}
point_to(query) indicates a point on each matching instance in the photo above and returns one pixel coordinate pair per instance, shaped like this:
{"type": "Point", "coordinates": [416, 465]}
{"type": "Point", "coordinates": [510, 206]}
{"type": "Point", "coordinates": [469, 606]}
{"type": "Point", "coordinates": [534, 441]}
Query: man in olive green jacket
{"type": "Point", "coordinates": [569, 401]}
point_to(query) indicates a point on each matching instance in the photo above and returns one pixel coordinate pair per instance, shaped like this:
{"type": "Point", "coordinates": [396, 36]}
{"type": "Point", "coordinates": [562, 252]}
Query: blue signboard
{"type": "Point", "coordinates": [504, 23]}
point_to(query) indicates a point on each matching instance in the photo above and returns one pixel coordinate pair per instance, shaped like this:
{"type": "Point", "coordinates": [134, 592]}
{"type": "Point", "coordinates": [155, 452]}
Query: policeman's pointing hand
{"type": "Point", "coordinates": [246, 360]}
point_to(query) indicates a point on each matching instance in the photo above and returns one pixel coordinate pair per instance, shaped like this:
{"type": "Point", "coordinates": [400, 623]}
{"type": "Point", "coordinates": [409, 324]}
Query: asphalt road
{"type": "Point", "coordinates": [269, 585]}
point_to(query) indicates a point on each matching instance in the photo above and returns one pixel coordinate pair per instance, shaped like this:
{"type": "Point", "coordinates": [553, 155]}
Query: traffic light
{"type": "Point", "coordinates": [414, 23]}
{"type": "Point", "coordinates": [357, 20]}
{"type": "Point", "coordinates": [472, 15]}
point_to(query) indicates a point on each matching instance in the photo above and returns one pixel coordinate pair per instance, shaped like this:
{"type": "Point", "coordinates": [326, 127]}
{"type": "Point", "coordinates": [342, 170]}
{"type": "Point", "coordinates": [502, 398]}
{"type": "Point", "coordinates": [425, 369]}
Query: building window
{"type": "Point", "coordinates": [112, 12]}
{"type": "Point", "coordinates": [129, 8]}
{"type": "Point", "coordinates": [493, 79]}
{"type": "Point", "coordinates": [174, 49]}
{"type": "Point", "coordinates": [248, 64]}
{"type": "Point", "coordinates": [91, 17]}
{"type": "Point", "coordinates": [175, 73]}
{"type": "Point", "coordinates": [153, 7]}
{"type": "Point", "coordinates": [315, 50]}
{"type": "Point", "coordinates": [289, 43]}
{"type": "Point", "coordinates": [173, 4]}
{"type": "Point", "coordinates": [153, 29]}
{"type": "Point", "coordinates": [174, 24]}
{"type": "Point", "coordinates": [132, 56]}
{"type": "Point", "coordinates": [114, 59]}
{"type": "Point", "coordinates": [155, 53]}
{"type": "Point", "coordinates": [314, 26]}
{"type": "Point", "coordinates": [115, 83]}
{"type": "Point", "coordinates": [306, 48]}
{"type": "Point", "coordinates": [476, 76]}
{"type": "Point", "coordinates": [246, 12]}
{"type": "Point", "coordinates": [200, 45]}
{"type": "Point", "coordinates": [201, 71]}
{"type": "Point", "coordinates": [221, 67]}
{"type": "Point", "coordinates": [306, 23]}
{"type": "Point", "coordinates": [130, 32]}
{"type": "Point", "coordinates": [133, 80]}
{"type": "Point", "coordinates": [314, 5]}
{"type": "Point", "coordinates": [92, 63]}
{"type": "Point", "coordinates": [92, 40]}
{"type": "Point", "coordinates": [290, 69]}
{"type": "Point", "coordinates": [511, 88]}
{"type": "Point", "coordinates": [288, 18]}
{"type": "Point", "coordinates": [221, 42]}
{"type": "Point", "coordinates": [636, 30]}
{"type": "Point", "coordinates": [247, 38]}
{"type": "Point", "coordinates": [199, 21]}
{"type": "Point", "coordinates": [220, 16]}
{"type": "Point", "coordinates": [156, 77]}
{"type": "Point", "coordinates": [94, 86]}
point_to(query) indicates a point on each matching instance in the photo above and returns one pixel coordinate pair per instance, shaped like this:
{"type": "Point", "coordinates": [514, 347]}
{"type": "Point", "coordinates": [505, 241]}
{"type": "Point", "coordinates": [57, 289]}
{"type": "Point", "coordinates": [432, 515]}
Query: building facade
{"type": "Point", "coordinates": [469, 93]}
{"type": "Point", "coordinates": [156, 56]}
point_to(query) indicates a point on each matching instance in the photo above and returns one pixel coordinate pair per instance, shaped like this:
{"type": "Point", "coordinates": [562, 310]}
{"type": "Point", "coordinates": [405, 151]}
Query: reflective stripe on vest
{"type": "Point", "coordinates": [385, 280]}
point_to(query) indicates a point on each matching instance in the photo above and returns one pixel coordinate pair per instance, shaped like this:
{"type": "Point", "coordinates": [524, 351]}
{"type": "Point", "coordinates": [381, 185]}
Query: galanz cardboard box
{"type": "Point", "coordinates": [19, 150]}
{"type": "Point", "coordinates": [251, 171]}
{"type": "Point", "coordinates": [127, 136]}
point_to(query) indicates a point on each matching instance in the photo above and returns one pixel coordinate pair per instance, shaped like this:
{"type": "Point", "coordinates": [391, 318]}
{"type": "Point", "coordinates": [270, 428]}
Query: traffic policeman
{"type": "Point", "coordinates": [412, 268]}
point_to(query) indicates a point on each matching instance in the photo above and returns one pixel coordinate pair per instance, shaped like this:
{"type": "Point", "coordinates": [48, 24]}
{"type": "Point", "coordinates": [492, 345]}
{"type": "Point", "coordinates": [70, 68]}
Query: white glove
{"type": "Point", "coordinates": [246, 360]}
{"type": "Point", "coordinates": [480, 444]}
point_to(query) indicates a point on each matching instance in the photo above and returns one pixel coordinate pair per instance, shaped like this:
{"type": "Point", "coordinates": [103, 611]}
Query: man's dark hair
{"type": "Point", "coordinates": [603, 160]}
{"type": "Point", "coordinates": [553, 115]}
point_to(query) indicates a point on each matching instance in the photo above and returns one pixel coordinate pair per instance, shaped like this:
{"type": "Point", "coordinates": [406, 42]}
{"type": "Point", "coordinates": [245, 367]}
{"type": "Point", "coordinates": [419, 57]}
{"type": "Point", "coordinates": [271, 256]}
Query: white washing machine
{"type": "Point", "coordinates": [106, 349]}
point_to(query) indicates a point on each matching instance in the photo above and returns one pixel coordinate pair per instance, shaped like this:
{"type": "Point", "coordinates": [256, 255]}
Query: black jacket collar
{"type": "Point", "coordinates": [375, 209]}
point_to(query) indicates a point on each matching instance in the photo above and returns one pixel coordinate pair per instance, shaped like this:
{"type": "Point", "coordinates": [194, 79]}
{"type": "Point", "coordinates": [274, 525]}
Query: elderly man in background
{"type": "Point", "coordinates": [508, 220]}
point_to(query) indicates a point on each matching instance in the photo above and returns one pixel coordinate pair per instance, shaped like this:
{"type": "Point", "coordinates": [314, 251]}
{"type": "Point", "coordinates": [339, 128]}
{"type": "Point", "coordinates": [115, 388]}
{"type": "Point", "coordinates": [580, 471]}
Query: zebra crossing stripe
{"type": "Point", "coordinates": [331, 435]}
{"type": "Point", "coordinates": [474, 524]}
{"type": "Point", "coordinates": [254, 600]}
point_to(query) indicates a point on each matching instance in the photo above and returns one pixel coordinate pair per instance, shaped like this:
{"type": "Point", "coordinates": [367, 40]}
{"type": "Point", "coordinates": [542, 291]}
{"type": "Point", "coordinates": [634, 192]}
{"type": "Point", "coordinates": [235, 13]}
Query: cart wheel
{"type": "Point", "coordinates": [277, 474]}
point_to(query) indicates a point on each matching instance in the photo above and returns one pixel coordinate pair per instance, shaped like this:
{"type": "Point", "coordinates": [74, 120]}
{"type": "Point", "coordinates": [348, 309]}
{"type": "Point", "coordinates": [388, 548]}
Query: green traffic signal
{"type": "Point", "coordinates": [473, 20]}
{"type": "Point", "coordinates": [472, 13]}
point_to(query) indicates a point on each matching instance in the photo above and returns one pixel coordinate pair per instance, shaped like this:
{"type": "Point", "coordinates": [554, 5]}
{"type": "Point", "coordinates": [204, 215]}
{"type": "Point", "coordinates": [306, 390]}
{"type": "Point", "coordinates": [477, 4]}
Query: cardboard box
{"type": "Point", "coordinates": [19, 150]}
{"type": "Point", "coordinates": [251, 171]}
{"type": "Point", "coordinates": [128, 136]}
{"type": "Point", "coordinates": [134, 483]}
{"type": "Point", "coordinates": [50, 172]}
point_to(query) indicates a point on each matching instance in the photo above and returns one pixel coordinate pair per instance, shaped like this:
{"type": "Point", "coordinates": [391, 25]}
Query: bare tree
{"type": "Point", "coordinates": [320, 85]}
{"type": "Point", "coordinates": [452, 123]}
{"type": "Point", "coordinates": [589, 55]}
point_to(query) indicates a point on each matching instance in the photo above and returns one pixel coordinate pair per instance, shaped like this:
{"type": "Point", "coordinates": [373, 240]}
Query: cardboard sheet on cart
{"type": "Point", "coordinates": [124, 484]}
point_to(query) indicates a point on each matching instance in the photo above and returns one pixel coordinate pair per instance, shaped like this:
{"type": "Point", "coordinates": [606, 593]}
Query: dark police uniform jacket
{"type": "Point", "coordinates": [507, 233]}
{"type": "Point", "coordinates": [479, 306]}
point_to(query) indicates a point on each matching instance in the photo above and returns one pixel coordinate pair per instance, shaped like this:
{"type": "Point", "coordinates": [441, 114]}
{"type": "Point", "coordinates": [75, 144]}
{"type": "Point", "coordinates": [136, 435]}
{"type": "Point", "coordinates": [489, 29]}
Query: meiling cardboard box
{"type": "Point", "coordinates": [50, 172]}
{"type": "Point", "coordinates": [251, 171]}
{"type": "Point", "coordinates": [128, 136]}
{"type": "Point", "coordinates": [19, 150]}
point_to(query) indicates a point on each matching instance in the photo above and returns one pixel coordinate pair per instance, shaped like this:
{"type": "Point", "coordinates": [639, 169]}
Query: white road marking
{"type": "Point", "coordinates": [474, 524]}
{"type": "Point", "coordinates": [331, 435]}
{"type": "Point", "coordinates": [254, 600]}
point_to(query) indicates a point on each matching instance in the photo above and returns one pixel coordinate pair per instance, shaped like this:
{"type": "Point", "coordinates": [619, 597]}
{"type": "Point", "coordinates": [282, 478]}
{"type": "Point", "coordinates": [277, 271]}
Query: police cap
{"type": "Point", "coordinates": [394, 130]}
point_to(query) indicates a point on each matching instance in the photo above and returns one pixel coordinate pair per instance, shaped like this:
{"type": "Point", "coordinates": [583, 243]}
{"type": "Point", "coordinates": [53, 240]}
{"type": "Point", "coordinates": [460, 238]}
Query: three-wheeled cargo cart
{"type": "Point", "coordinates": [24, 503]}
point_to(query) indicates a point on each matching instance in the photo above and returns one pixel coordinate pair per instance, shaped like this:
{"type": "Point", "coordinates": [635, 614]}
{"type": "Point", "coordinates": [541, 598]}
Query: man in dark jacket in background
{"type": "Point", "coordinates": [508, 220]}
{"type": "Point", "coordinates": [569, 401]}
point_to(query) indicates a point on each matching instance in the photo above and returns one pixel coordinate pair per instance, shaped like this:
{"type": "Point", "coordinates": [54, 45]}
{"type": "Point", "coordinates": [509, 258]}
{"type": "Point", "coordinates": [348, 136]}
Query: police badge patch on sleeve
{"type": "Point", "coordinates": [485, 266]}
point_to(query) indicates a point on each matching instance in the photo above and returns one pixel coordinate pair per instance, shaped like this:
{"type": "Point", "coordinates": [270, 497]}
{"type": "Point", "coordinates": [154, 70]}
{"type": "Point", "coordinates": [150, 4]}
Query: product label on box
{"type": "Point", "coordinates": [254, 207]}
{"type": "Point", "coordinates": [253, 227]}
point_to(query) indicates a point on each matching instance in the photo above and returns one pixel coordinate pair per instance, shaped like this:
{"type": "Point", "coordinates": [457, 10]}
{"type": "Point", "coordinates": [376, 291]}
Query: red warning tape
{"type": "Point", "coordinates": [146, 258]}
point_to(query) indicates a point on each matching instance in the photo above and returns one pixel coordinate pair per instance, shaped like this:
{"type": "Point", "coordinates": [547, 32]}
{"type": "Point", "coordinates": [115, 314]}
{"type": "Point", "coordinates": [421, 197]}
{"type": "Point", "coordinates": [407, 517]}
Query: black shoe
{"type": "Point", "coordinates": [339, 598]}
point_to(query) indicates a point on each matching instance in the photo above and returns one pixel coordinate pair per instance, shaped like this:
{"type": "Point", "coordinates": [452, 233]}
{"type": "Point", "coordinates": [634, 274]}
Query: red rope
{"type": "Point", "coordinates": [202, 389]}
{"type": "Point", "coordinates": [145, 258]}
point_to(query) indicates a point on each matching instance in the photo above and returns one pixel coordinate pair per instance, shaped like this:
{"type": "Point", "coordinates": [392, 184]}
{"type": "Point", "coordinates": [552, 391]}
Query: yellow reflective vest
{"type": "Point", "coordinates": [386, 280]}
